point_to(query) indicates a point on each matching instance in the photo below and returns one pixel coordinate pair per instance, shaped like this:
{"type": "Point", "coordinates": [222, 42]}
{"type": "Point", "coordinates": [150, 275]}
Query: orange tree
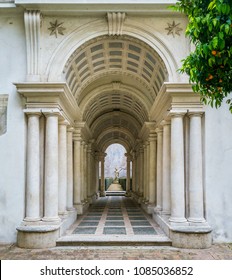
{"type": "Point", "coordinates": [209, 66]}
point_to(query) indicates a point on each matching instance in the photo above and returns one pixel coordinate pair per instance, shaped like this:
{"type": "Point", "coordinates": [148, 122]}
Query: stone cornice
{"type": "Point", "coordinates": [98, 6]}
{"type": "Point", "coordinates": [175, 98]}
{"type": "Point", "coordinates": [46, 96]}
{"type": "Point", "coordinates": [83, 130]}
{"type": "Point", "coordinates": [147, 129]}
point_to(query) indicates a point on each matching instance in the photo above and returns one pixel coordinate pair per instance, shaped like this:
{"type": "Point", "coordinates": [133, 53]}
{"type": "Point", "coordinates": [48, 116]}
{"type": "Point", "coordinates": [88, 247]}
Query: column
{"type": "Point", "coordinates": [166, 194]}
{"type": "Point", "coordinates": [128, 161]}
{"type": "Point", "coordinates": [138, 172]}
{"type": "Point", "coordinates": [89, 170]}
{"type": "Point", "coordinates": [77, 169]}
{"type": "Point", "coordinates": [42, 155]}
{"type": "Point", "coordinates": [148, 171]}
{"type": "Point", "coordinates": [33, 169]}
{"type": "Point", "coordinates": [97, 173]}
{"type": "Point", "coordinates": [70, 169]}
{"type": "Point", "coordinates": [102, 192]}
{"type": "Point", "coordinates": [133, 173]}
{"type": "Point", "coordinates": [159, 179]}
{"type": "Point", "coordinates": [82, 173]}
{"type": "Point", "coordinates": [196, 209]}
{"type": "Point", "coordinates": [145, 173]}
{"type": "Point", "coordinates": [62, 163]}
{"type": "Point", "coordinates": [85, 167]}
{"type": "Point", "coordinates": [51, 169]}
{"type": "Point", "coordinates": [141, 171]}
{"type": "Point", "coordinates": [152, 168]}
{"type": "Point", "coordinates": [177, 170]}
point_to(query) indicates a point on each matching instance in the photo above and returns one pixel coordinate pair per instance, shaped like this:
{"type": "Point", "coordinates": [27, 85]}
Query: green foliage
{"type": "Point", "coordinates": [210, 65]}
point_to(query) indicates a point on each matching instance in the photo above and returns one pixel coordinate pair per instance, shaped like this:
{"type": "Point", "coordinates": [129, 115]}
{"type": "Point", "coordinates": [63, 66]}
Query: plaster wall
{"type": "Point", "coordinates": [218, 163]}
{"type": "Point", "coordinates": [12, 143]}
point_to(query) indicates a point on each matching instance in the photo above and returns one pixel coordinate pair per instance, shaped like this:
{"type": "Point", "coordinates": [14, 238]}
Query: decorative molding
{"type": "Point", "coordinates": [50, 97]}
{"type": "Point", "coordinates": [174, 29]}
{"type": "Point", "coordinates": [32, 21]}
{"type": "Point", "coordinates": [115, 23]}
{"type": "Point", "coordinates": [56, 28]}
{"type": "Point", "coordinates": [3, 113]}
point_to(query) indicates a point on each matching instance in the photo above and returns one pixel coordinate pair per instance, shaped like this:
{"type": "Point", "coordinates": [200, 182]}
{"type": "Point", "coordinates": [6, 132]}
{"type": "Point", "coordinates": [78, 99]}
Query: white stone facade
{"type": "Point", "coordinates": [77, 76]}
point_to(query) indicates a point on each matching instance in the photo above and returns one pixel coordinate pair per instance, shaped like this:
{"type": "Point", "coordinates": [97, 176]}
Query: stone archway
{"type": "Point", "coordinates": [114, 89]}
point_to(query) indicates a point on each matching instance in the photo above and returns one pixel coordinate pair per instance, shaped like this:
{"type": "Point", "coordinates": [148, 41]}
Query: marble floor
{"type": "Point", "coordinates": [114, 218]}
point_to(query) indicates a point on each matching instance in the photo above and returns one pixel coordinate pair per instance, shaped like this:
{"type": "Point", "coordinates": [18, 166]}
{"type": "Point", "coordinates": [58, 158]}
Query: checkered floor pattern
{"type": "Point", "coordinates": [115, 215]}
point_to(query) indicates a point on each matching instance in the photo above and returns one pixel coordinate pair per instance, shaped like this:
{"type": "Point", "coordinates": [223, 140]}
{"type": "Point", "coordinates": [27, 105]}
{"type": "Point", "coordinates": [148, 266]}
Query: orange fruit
{"type": "Point", "coordinates": [214, 52]}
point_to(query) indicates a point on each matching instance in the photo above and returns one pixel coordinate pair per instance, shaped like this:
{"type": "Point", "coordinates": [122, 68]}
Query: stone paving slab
{"type": "Point", "coordinates": [216, 252]}
{"type": "Point", "coordinates": [108, 215]}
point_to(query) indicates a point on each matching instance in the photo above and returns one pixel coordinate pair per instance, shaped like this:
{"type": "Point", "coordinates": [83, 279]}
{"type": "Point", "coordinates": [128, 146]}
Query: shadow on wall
{"type": "Point", "coordinates": [3, 113]}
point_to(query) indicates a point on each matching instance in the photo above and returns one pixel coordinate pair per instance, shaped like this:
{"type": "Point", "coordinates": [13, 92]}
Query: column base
{"type": "Point", "coordinates": [197, 221]}
{"type": "Point", "coordinates": [127, 194]}
{"type": "Point", "coordinates": [79, 208]}
{"type": "Point", "coordinates": [37, 237]}
{"type": "Point", "coordinates": [165, 212]}
{"type": "Point", "coordinates": [185, 235]}
{"type": "Point", "coordinates": [157, 209]}
{"type": "Point", "coordinates": [32, 220]}
{"type": "Point", "coordinates": [71, 209]}
{"type": "Point", "coordinates": [102, 193]}
{"type": "Point", "coordinates": [148, 207]}
{"type": "Point", "coordinates": [51, 219]}
{"type": "Point", "coordinates": [178, 221]}
{"type": "Point", "coordinates": [63, 214]}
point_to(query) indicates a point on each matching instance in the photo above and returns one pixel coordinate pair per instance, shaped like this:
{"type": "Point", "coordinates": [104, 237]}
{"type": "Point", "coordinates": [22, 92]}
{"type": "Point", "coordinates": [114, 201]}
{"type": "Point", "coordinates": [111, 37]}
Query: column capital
{"type": "Point", "coordinates": [152, 137]}
{"type": "Point", "coordinates": [77, 135]}
{"type": "Point", "coordinates": [195, 114]}
{"type": "Point", "coordinates": [159, 130]}
{"type": "Point", "coordinates": [177, 114]}
{"type": "Point", "coordinates": [63, 122]}
{"type": "Point", "coordinates": [51, 114]}
{"type": "Point", "coordinates": [33, 113]}
{"type": "Point", "coordinates": [102, 156]}
{"type": "Point", "coordinates": [70, 129]}
{"type": "Point", "coordinates": [129, 157]}
{"type": "Point", "coordinates": [165, 122]}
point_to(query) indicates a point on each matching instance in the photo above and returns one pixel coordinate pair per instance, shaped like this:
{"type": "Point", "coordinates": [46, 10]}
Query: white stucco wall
{"type": "Point", "coordinates": [218, 172]}
{"type": "Point", "coordinates": [218, 126]}
{"type": "Point", "coordinates": [12, 144]}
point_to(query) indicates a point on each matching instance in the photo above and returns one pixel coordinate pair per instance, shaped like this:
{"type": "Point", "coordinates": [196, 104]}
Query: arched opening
{"type": "Point", "coordinates": [115, 168]}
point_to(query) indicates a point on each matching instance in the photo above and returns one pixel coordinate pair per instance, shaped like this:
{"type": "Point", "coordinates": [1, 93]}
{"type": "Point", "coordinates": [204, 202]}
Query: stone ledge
{"type": "Point", "coordinates": [37, 228]}
{"type": "Point", "coordinates": [192, 229]}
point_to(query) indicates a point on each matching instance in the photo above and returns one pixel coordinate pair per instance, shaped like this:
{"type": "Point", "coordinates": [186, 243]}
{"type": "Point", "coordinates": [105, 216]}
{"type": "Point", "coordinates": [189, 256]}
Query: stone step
{"type": "Point", "coordinates": [114, 241]}
{"type": "Point", "coordinates": [115, 193]}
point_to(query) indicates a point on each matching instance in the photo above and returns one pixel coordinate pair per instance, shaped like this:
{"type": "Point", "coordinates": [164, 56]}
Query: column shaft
{"type": "Point", "coordinates": [62, 167]}
{"type": "Point", "coordinates": [166, 201]}
{"type": "Point", "coordinates": [159, 179]}
{"type": "Point", "coordinates": [196, 211]}
{"type": "Point", "coordinates": [77, 171]}
{"type": "Point", "coordinates": [177, 170]}
{"type": "Point", "coordinates": [102, 176]}
{"type": "Point", "coordinates": [133, 174]}
{"type": "Point", "coordinates": [33, 169]}
{"type": "Point", "coordinates": [141, 171]}
{"type": "Point", "coordinates": [148, 171]}
{"type": "Point", "coordinates": [152, 170]}
{"type": "Point", "coordinates": [51, 169]}
{"type": "Point", "coordinates": [145, 173]}
{"type": "Point", "coordinates": [70, 169]}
